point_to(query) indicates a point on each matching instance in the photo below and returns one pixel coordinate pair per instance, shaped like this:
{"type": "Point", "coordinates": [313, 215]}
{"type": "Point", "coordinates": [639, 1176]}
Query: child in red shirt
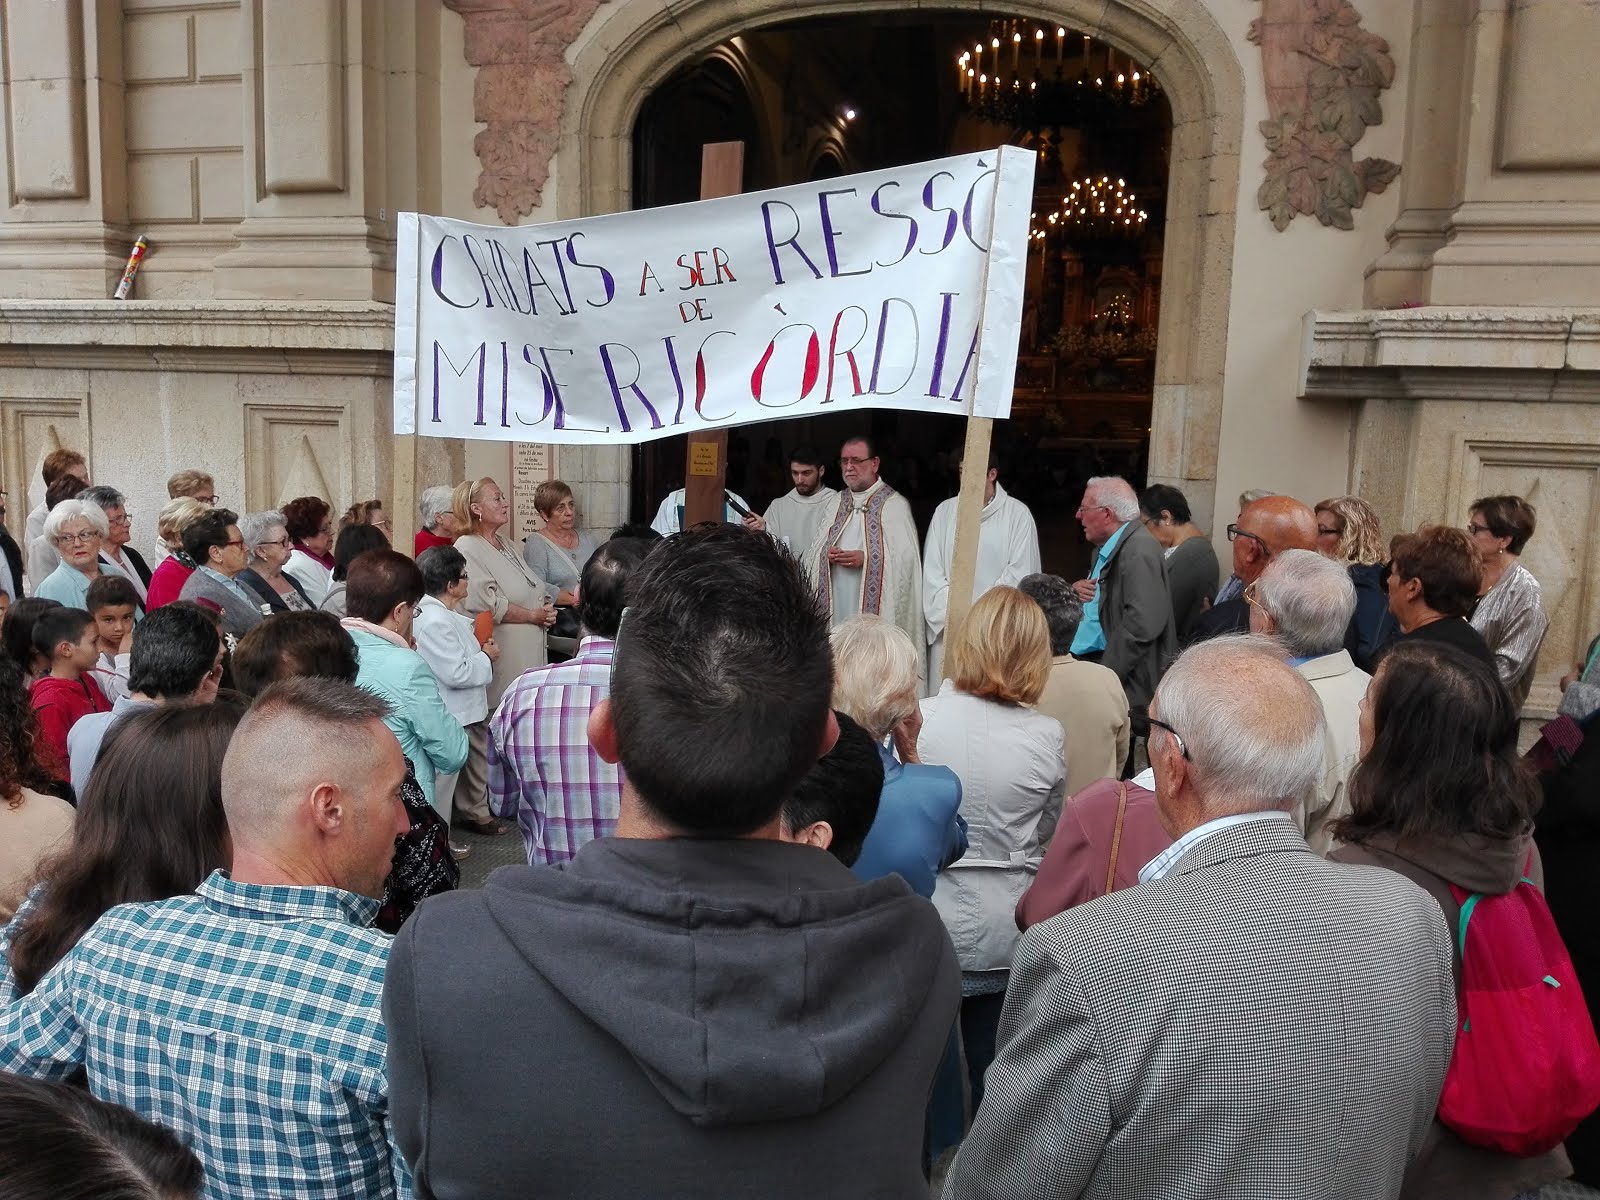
{"type": "Point", "coordinates": [68, 639]}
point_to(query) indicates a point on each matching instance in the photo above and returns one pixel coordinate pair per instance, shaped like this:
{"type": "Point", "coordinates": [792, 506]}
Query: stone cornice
{"type": "Point", "coordinates": [1437, 353]}
{"type": "Point", "coordinates": [281, 337]}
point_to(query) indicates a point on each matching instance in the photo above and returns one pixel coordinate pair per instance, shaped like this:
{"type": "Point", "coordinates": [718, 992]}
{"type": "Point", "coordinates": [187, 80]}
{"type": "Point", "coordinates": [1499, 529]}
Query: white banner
{"type": "Point", "coordinates": [890, 289]}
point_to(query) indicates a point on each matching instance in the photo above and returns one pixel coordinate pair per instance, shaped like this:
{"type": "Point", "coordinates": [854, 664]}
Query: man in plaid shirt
{"type": "Point", "coordinates": [245, 1017]}
{"type": "Point", "coordinates": [542, 769]}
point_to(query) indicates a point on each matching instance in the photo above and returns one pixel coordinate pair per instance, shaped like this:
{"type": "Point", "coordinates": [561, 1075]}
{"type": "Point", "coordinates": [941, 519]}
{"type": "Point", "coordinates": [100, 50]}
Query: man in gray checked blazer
{"type": "Point", "coordinates": [1251, 1021]}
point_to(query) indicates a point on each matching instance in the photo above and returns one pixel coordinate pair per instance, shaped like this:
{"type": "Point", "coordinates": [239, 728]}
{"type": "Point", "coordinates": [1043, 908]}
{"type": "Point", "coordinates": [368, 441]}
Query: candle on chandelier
{"type": "Point", "coordinates": [1061, 40]}
{"type": "Point", "coordinates": [1038, 46]}
{"type": "Point", "coordinates": [1016, 50]}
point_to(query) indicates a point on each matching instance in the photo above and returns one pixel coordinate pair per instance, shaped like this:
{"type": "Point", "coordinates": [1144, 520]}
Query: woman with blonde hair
{"type": "Point", "coordinates": [499, 582]}
{"type": "Point", "coordinates": [1348, 532]}
{"type": "Point", "coordinates": [1011, 762]}
{"type": "Point", "coordinates": [172, 572]}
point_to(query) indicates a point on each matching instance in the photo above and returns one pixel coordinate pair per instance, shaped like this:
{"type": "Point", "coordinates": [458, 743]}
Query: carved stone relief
{"type": "Point", "coordinates": [519, 48]}
{"type": "Point", "coordinates": [1324, 74]}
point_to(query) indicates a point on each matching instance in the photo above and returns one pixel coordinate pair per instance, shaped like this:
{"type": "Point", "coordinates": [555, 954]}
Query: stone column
{"type": "Point", "coordinates": [1501, 192]}
{"type": "Point", "coordinates": [328, 152]}
{"type": "Point", "coordinates": [63, 231]}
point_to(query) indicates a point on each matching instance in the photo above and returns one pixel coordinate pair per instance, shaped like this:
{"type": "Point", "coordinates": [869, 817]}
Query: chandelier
{"type": "Point", "coordinates": [1032, 78]}
{"type": "Point", "coordinates": [1096, 207]}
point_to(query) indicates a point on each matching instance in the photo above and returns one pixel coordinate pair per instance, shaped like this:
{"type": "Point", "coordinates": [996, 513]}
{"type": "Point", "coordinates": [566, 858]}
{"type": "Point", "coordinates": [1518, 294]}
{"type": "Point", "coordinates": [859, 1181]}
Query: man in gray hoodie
{"type": "Point", "coordinates": [694, 1007]}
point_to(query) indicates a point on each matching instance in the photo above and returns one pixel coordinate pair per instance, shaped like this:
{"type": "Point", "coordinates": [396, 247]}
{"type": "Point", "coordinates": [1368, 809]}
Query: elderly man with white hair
{"type": "Point", "coordinates": [1251, 1020]}
{"type": "Point", "coordinates": [438, 527]}
{"type": "Point", "coordinates": [1307, 600]}
{"type": "Point", "coordinates": [1127, 607]}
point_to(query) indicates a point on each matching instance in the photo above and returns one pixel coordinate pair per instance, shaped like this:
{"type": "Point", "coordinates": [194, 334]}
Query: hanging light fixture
{"type": "Point", "coordinates": [1039, 78]}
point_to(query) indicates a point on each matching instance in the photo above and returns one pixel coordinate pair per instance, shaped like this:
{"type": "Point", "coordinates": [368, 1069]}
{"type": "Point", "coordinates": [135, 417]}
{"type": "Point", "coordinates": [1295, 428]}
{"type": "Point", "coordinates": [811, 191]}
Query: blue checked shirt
{"type": "Point", "coordinates": [246, 1019]}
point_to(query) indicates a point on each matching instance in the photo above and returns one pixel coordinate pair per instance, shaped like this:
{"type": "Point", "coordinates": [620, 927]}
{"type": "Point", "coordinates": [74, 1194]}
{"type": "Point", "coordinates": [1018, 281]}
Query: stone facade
{"type": "Point", "coordinates": [265, 146]}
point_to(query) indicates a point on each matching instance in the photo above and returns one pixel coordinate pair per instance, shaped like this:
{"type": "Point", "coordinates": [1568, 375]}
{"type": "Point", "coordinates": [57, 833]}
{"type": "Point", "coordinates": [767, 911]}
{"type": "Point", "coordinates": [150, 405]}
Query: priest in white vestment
{"type": "Point", "coordinates": [865, 557]}
{"type": "Point", "coordinates": [1008, 550]}
{"type": "Point", "coordinates": [795, 519]}
{"type": "Point", "coordinates": [669, 517]}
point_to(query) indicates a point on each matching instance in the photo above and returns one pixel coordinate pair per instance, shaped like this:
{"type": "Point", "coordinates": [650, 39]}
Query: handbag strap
{"type": "Point", "coordinates": [1116, 836]}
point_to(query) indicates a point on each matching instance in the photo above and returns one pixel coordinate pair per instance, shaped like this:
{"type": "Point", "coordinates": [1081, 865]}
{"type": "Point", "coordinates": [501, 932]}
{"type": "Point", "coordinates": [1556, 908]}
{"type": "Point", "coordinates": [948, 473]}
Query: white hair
{"type": "Point", "coordinates": [1252, 725]}
{"type": "Point", "coordinates": [875, 673]}
{"type": "Point", "coordinates": [435, 503]}
{"type": "Point", "coordinates": [72, 510]}
{"type": "Point", "coordinates": [254, 527]}
{"type": "Point", "coordinates": [1117, 494]}
{"type": "Point", "coordinates": [1311, 598]}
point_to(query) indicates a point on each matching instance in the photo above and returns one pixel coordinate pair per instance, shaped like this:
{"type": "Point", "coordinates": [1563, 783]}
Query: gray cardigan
{"type": "Point", "coordinates": [238, 617]}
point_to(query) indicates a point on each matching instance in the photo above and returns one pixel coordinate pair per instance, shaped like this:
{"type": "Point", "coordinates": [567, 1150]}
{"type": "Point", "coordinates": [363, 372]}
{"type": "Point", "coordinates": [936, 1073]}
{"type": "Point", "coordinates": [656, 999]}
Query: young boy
{"type": "Point", "coordinates": [112, 602]}
{"type": "Point", "coordinates": [67, 637]}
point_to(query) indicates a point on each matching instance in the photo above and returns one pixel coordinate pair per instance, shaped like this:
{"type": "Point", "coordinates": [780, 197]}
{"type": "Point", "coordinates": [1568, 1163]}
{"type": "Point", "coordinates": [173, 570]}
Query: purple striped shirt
{"type": "Point", "coordinates": [542, 769]}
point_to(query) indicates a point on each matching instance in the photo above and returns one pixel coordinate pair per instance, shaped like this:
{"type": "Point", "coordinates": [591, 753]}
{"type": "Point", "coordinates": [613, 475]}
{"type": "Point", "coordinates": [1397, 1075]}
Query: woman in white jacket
{"type": "Point", "coordinates": [449, 646]}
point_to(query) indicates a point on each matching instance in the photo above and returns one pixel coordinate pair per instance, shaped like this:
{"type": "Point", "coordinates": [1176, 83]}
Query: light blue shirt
{"type": "Point", "coordinates": [1168, 858]}
{"type": "Point", "coordinates": [1091, 638]}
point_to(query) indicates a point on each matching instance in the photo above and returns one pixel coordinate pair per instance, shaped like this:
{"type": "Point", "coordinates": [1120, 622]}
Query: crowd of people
{"type": "Point", "coordinates": [1156, 882]}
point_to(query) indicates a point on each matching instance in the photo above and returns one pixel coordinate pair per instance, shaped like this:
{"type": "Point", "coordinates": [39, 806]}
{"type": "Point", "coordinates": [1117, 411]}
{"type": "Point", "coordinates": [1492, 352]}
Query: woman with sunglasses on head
{"type": "Point", "coordinates": [1348, 532]}
{"type": "Point", "coordinates": [1510, 614]}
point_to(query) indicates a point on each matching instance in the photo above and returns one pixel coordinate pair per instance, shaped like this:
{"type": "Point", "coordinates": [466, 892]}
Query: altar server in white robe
{"type": "Point", "coordinates": [1008, 550]}
{"type": "Point", "coordinates": [795, 519]}
{"type": "Point", "coordinates": [865, 558]}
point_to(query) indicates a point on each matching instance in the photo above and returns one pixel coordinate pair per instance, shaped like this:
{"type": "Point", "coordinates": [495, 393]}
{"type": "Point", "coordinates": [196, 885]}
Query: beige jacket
{"type": "Point", "coordinates": [1089, 702]}
{"type": "Point", "coordinates": [1340, 685]}
{"type": "Point", "coordinates": [497, 579]}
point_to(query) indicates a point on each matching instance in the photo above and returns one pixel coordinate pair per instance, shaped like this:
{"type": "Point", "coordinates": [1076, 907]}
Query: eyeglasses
{"type": "Point", "coordinates": [235, 542]}
{"type": "Point", "coordinates": [416, 611]}
{"type": "Point", "coordinates": [283, 542]}
{"type": "Point", "coordinates": [211, 500]}
{"type": "Point", "coordinates": [856, 462]}
{"type": "Point", "coordinates": [124, 519]}
{"type": "Point", "coordinates": [1142, 723]}
{"type": "Point", "coordinates": [384, 524]}
{"type": "Point", "coordinates": [1235, 533]}
{"type": "Point", "coordinates": [77, 539]}
{"type": "Point", "coordinates": [1089, 508]}
{"type": "Point", "coordinates": [1252, 595]}
{"type": "Point", "coordinates": [1474, 528]}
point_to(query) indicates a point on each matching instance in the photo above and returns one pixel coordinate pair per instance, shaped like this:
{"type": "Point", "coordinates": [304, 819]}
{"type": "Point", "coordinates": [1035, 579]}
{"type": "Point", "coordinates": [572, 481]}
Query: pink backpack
{"type": "Point", "coordinates": [1526, 1066]}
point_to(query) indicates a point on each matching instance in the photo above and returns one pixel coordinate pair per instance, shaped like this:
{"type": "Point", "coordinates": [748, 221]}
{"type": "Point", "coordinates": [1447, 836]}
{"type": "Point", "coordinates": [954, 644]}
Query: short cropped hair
{"type": "Point", "coordinates": [1311, 598]}
{"type": "Point", "coordinates": [378, 582]}
{"type": "Point", "coordinates": [57, 463]}
{"type": "Point", "coordinates": [174, 649]}
{"type": "Point", "coordinates": [843, 788]}
{"type": "Point", "coordinates": [440, 566]}
{"type": "Point", "coordinates": [720, 680]}
{"type": "Point", "coordinates": [1251, 724]}
{"type": "Point", "coordinates": [303, 516]}
{"type": "Point", "coordinates": [103, 497]}
{"type": "Point", "coordinates": [1508, 517]}
{"type": "Point", "coordinates": [1001, 652]}
{"type": "Point", "coordinates": [1116, 493]}
{"type": "Point", "coordinates": [1360, 538]}
{"type": "Point", "coordinates": [434, 503]}
{"type": "Point", "coordinates": [327, 704]}
{"type": "Point", "coordinates": [207, 531]}
{"type": "Point", "coordinates": [310, 644]}
{"type": "Point", "coordinates": [72, 510]}
{"type": "Point", "coordinates": [177, 515]}
{"type": "Point", "coordinates": [190, 482]}
{"type": "Point", "coordinates": [807, 455]}
{"type": "Point", "coordinates": [867, 439]}
{"type": "Point", "coordinates": [1063, 611]}
{"type": "Point", "coordinates": [1446, 562]}
{"type": "Point", "coordinates": [549, 494]}
{"type": "Point", "coordinates": [110, 590]}
{"type": "Point", "coordinates": [254, 527]}
{"type": "Point", "coordinates": [876, 669]}
{"type": "Point", "coordinates": [1161, 497]}
{"type": "Point", "coordinates": [57, 625]}
{"type": "Point", "coordinates": [603, 586]}
{"type": "Point", "coordinates": [68, 487]}
{"type": "Point", "coordinates": [57, 1142]}
{"type": "Point", "coordinates": [637, 530]}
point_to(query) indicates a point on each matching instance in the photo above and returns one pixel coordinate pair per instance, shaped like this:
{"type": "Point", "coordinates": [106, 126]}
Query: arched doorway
{"type": "Point", "coordinates": [637, 50]}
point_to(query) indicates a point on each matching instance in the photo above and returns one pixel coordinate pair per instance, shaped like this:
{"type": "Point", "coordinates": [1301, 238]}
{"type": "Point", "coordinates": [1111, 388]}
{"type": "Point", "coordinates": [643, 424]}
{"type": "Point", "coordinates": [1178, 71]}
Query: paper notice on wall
{"type": "Point", "coordinates": [868, 291]}
{"type": "Point", "coordinates": [531, 464]}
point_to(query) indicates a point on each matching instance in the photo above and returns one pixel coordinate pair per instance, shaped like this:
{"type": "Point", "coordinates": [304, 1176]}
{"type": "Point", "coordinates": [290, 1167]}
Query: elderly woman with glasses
{"type": "Point", "coordinates": [115, 551]}
{"type": "Point", "coordinates": [172, 572]}
{"type": "Point", "coordinates": [310, 524]}
{"type": "Point", "coordinates": [1510, 613]}
{"type": "Point", "coordinates": [384, 591]}
{"type": "Point", "coordinates": [438, 526]}
{"type": "Point", "coordinates": [267, 545]}
{"type": "Point", "coordinates": [77, 530]}
{"type": "Point", "coordinates": [1011, 761]}
{"type": "Point", "coordinates": [218, 549]}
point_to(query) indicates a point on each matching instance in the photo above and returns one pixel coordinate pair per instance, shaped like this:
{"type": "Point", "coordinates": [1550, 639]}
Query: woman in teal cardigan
{"type": "Point", "coordinates": [382, 590]}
